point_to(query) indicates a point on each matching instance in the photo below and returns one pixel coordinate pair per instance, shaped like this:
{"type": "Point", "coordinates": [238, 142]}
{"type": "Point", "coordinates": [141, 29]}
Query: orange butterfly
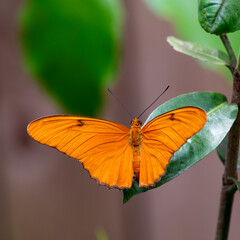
{"type": "Point", "coordinates": [113, 153]}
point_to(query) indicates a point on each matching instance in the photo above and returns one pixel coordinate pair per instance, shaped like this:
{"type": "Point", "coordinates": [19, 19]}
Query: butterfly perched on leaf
{"type": "Point", "coordinates": [112, 153]}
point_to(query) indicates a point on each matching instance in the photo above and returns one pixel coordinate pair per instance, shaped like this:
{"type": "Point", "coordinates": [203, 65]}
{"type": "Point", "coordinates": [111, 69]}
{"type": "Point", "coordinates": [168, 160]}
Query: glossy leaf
{"type": "Point", "coordinates": [220, 117]}
{"type": "Point", "coordinates": [184, 18]}
{"type": "Point", "coordinates": [219, 16]}
{"type": "Point", "coordinates": [222, 150]}
{"type": "Point", "coordinates": [237, 183]}
{"type": "Point", "coordinates": [71, 48]}
{"type": "Point", "coordinates": [199, 51]}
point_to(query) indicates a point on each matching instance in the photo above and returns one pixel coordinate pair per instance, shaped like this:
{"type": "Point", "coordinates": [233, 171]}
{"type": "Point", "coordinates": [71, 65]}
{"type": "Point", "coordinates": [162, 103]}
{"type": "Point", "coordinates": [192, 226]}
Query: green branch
{"type": "Point", "coordinates": [227, 45]}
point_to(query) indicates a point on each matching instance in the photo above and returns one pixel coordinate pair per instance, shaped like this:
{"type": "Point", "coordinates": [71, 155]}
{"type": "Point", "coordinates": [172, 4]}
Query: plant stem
{"type": "Point", "coordinates": [230, 170]}
{"type": "Point", "coordinates": [227, 45]}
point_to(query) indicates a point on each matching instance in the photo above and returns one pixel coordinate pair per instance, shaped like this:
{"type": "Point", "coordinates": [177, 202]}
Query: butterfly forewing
{"type": "Point", "coordinates": [102, 146]}
{"type": "Point", "coordinates": [163, 136]}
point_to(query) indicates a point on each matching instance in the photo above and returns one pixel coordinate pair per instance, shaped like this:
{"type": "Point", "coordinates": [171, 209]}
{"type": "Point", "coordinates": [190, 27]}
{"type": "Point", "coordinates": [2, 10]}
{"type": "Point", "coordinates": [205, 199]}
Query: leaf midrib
{"type": "Point", "coordinates": [216, 108]}
{"type": "Point", "coordinates": [218, 13]}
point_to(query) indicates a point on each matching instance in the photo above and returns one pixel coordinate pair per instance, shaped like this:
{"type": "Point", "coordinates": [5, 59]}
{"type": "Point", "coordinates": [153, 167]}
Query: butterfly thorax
{"type": "Point", "coordinates": [135, 140]}
{"type": "Point", "coordinates": [135, 137]}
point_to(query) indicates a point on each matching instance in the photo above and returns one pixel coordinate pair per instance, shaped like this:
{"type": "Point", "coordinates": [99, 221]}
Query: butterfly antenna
{"type": "Point", "coordinates": [117, 99]}
{"type": "Point", "coordinates": [153, 102]}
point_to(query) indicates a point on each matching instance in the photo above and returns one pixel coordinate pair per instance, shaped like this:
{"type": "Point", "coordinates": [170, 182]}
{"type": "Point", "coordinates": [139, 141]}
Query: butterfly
{"type": "Point", "coordinates": [114, 154]}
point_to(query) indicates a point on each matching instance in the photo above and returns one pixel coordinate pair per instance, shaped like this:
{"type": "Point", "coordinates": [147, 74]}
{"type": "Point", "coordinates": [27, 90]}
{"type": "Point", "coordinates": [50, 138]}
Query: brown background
{"type": "Point", "coordinates": [46, 195]}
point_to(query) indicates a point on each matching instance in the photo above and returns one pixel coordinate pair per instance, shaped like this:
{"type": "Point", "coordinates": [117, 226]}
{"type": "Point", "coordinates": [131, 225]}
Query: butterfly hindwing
{"type": "Point", "coordinates": [163, 136]}
{"type": "Point", "coordinates": [102, 146]}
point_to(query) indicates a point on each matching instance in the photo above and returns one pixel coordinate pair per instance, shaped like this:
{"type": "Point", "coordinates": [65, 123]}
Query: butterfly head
{"type": "Point", "coordinates": [136, 123]}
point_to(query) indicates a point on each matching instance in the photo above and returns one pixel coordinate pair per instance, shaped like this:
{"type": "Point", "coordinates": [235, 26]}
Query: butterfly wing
{"type": "Point", "coordinates": [163, 136]}
{"type": "Point", "coordinates": [102, 146]}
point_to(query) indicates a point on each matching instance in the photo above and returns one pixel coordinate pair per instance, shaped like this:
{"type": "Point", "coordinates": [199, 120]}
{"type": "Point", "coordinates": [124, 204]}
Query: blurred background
{"type": "Point", "coordinates": [60, 57]}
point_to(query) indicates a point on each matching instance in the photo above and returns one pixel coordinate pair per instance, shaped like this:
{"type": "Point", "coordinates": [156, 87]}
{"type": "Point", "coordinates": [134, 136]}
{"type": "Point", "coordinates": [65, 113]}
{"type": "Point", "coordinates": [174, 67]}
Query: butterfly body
{"type": "Point", "coordinates": [135, 140]}
{"type": "Point", "coordinates": [113, 153]}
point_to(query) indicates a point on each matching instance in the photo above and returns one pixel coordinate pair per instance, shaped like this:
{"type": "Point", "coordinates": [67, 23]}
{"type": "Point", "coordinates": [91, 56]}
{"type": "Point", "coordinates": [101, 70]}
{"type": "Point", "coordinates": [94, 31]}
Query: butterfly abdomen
{"type": "Point", "coordinates": [135, 140]}
{"type": "Point", "coordinates": [136, 160]}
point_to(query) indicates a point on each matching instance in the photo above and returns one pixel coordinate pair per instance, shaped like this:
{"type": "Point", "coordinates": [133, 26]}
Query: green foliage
{"type": "Point", "coordinates": [184, 17]}
{"type": "Point", "coordinates": [71, 47]}
{"type": "Point", "coordinates": [219, 16]}
{"type": "Point", "coordinates": [238, 62]}
{"type": "Point", "coordinates": [222, 151]}
{"type": "Point", "coordinates": [199, 51]}
{"type": "Point", "coordinates": [220, 117]}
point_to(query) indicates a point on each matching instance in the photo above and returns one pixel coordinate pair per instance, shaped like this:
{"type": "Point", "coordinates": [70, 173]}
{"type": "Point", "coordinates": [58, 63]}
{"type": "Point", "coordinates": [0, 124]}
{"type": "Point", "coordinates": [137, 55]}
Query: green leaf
{"type": "Point", "coordinates": [199, 51]}
{"type": "Point", "coordinates": [184, 18]}
{"type": "Point", "coordinates": [220, 117]}
{"type": "Point", "coordinates": [237, 183]}
{"type": "Point", "coordinates": [71, 48]}
{"type": "Point", "coordinates": [219, 16]}
{"type": "Point", "coordinates": [222, 150]}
